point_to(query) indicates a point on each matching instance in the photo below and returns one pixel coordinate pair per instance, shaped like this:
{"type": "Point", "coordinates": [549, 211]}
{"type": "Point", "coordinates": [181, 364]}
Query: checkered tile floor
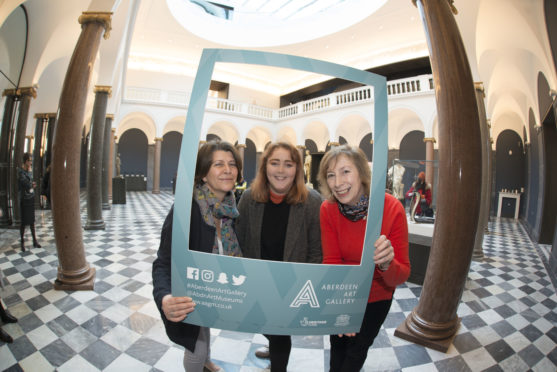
{"type": "Point", "coordinates": [508, 309]}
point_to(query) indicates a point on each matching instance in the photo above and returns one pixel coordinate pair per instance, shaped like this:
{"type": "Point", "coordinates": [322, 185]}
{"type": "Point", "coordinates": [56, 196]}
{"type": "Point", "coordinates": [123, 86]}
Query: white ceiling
{"type": "Point", "coordinates": [391, 34]}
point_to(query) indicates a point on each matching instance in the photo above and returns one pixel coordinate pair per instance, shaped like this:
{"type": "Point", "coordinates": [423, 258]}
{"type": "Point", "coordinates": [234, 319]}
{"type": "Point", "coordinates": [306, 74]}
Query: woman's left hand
{"type": "Point", "coordinates": [384, 253]}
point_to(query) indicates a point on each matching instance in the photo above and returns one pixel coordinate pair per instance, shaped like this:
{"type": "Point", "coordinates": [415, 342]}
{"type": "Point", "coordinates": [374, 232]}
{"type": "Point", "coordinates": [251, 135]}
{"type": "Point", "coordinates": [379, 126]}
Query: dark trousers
{"type": "Point", "coordinates": [279, 350]}
{"type": "Point", "coordinates": [350, 353]}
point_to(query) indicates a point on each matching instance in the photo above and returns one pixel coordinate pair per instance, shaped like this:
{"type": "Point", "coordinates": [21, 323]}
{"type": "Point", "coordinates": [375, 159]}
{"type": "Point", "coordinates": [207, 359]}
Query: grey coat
{"type": "Point", "coordinates": [303, 233]}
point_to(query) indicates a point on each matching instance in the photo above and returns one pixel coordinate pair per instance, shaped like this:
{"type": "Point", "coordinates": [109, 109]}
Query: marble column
{"type": "Point", "coordinates": [111, 161]}
{"type": "Point", "coordinates": [5, 150]}
{"type": "Point", "coordinates": [241, 151]}
{"type": "Point", "coordinates": [434, 321]}
{"type": "Point", "coordinates": [49, 138]}
{"type": "Point", "coordinates": [41, 120]}
{"type": "Point", "coordinates": [29, 143]}
{"type": "Point", "coordinates": [95, 159]}
{"type": "Point", "coordinates": [25, 95]}
{"type": "Point", "coordinates": [485, 199]}
{"type": "Point", "coordinates": [106, 160]}
{"type": "Point", "coordinates": [74, 273]}
{"type": "Point", "coordinates": [157, 166]}
{"type": "Point", "coordinates": [430, 162]}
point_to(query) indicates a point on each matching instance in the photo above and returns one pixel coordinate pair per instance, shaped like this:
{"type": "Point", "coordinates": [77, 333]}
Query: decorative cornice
{"type": "Point", "coordinates": [430, 139]}
{"type": "Point", "coordinates": [453, 8]}
{"type": "Point", "coordinates": [110, 116]}
{"type": "Point", "coordinates": [103, 89]}
{"type": "Point", "coordinates": [103, 18]}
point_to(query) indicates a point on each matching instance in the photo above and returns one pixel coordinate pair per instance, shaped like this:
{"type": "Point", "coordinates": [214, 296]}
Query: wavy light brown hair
{"type": "Point", "coordinates": [260, 187]}
{"type": "Point", "coordinates": [205, 159]}
{"type": "Point", "coordinates": [355, 155]}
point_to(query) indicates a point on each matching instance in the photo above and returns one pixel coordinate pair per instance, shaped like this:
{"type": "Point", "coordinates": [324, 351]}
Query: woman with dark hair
{"type": "Point", "coordinates": [26, 187]}
{"type": "Point", "coordinates": [213, 211]}
{"type": "Point", "coordinates": [279, 221]}
{"type": "Point", "coordinates": [345, 179]}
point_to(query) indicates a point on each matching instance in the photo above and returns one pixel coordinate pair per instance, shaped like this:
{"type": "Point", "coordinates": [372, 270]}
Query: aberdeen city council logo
{"type": "Point", "coordinates": [306, 296]}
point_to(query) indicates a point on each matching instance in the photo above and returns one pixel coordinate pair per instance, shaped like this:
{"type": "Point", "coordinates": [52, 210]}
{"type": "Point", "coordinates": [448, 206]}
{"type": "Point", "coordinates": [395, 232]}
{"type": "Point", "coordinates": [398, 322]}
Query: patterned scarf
{"type": "Point", "coordinates": [355, 212]}
{"type": "Point", "coordinates": [212, 208]}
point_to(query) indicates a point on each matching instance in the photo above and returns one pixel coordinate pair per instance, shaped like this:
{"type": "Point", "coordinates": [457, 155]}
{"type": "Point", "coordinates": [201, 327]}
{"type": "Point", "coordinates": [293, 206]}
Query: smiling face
{"type": "Point", "coordinates": [222, 175]}
{"type": "Point", "coordinates": [281, 171]}
{"type": "Point", "coordinates": [344, 181]}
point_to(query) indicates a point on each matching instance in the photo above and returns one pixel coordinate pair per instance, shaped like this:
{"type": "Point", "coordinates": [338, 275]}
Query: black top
{"type": "Point", "coordinates": [273, 230]}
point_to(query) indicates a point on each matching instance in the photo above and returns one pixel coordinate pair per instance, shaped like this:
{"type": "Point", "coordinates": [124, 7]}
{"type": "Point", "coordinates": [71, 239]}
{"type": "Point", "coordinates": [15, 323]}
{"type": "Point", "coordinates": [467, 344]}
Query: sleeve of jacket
{"type": "Point", "coordinates": [161, 265]}
{"type": "Point", "coordinates": [241, 223]}
{"type": "Point", "coordinates": [399, 269]}
{"type": "Point", "coordinates": [315, 253]}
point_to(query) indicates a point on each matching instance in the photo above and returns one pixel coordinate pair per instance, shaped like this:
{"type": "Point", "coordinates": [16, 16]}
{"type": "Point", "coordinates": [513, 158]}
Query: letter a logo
{"type": "Point", "coordinates": [306, 296]}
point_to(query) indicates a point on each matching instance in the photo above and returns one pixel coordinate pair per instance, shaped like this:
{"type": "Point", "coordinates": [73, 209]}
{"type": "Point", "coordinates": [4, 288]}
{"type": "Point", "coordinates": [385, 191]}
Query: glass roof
{"type": "Point", "coordinates": [253, 23]}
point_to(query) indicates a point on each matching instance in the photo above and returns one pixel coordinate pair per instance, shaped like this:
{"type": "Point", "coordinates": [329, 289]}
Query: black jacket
{"type": "Point", "coordinates": [202, 238]}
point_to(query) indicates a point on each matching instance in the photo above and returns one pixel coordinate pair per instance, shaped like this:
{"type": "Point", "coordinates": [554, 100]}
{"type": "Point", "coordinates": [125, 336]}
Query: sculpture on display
{"type": "Point", "coordinates": [118, 163]}
{"type": "Point", "coordinates": [307, 167]}
{"type": "Point", "coordinates": [394, 180]}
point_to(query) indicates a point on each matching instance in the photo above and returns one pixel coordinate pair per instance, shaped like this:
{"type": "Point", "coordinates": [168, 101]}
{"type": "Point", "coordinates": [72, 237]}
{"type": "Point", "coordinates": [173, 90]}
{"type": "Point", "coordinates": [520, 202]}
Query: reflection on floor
{"type": "Point", "coordinates": [508, 309]}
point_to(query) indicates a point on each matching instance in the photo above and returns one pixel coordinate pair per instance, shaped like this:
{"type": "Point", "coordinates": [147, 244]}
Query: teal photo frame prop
{"type": "Point", "coordinates": [271, 297]}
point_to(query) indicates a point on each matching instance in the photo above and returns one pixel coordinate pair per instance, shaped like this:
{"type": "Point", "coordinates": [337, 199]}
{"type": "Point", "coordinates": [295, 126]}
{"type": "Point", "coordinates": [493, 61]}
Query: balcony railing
{"type": "Point", "coordinates": [395, 88]}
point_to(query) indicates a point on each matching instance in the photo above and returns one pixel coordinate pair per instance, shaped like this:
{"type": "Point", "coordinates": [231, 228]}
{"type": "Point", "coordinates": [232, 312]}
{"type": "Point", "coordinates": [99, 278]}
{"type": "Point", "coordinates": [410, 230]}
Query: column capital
{"type": "Point", "coordinates": [453, 8]}
{"type": "Point", "coordinates": [28, 91]}
{"type": "Point", "coordinates": [479, 85]}
{"type": "Point", "coordinates": [371, 141]}
{"type": "Point", "coordinates": [430, 139]}
{"type": "Point", "coordinates": [103, 18]}
{"type": "Point", "coordinates": [110, 116]}
{"type": "Point", "coordinates": [158, 139]}
{"type": "Point", "coordinates": [51, 115]}
{"type": "Point", "coordinates": [10, 92]}
{"type": "Point", "coordinates": [113, 130]}
{"type": "Point", "coordinates": [331, 143]}
{"type": "Point", "coordinates": [40, 116]}
{"type": "Point", "coordinates": [29, 137]}
{"type": "Point", "coordinates": [301, 147]}
{"type": "Point", "coordinates": [488, 121]}
{"type": "Point", "coordinates": [241, 145]}
{"type": "Point", "coordinates": [103, 89]}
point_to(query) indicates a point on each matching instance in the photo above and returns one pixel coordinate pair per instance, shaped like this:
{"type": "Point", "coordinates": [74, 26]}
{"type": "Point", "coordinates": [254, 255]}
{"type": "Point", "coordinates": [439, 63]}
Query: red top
{"type": "Point", "coordinates": [335, 228]}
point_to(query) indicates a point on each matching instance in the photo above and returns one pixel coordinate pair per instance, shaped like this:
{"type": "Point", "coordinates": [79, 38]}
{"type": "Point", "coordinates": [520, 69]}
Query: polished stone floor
{"type": "Point", "coordinates": [508, 308]}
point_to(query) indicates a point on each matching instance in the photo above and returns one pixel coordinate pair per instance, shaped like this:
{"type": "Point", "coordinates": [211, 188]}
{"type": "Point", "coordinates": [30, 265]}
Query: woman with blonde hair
{"type": "Point", "coordinates": [345, 179]}
{"type": "Point", "coordinates": [279, 221]}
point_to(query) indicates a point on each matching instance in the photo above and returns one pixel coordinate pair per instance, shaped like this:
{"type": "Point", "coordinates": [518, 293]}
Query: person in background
{"type": "Point", "coordinates": [279, 221]}
{"type": "Point", "coordinates": [424, 189]}
{"type": "Point", "coordinates": [344, 178]}
{"type": "Point", "coordinates": [26, 187]}
{"type": "Point", "coordinates": [213, 211]}
{"type": "Point", "coordinates": [45, 187]}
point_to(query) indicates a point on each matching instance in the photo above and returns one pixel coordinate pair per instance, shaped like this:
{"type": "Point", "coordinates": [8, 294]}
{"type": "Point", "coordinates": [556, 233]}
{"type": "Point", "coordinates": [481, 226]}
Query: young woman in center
{"type": "Point", "coordinates": [279, 221]}
{"type": "Point", "coordinates": [345, 179]}
{"type": "Point", "coordinates": [213, 211]}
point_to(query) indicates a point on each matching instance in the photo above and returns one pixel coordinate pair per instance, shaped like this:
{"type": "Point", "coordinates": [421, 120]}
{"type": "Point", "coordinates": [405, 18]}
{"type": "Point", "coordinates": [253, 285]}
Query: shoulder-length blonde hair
{"type": "Point", "coordinates": [260, 187]}
{"type": "Point", "coordinates": [355, 155]}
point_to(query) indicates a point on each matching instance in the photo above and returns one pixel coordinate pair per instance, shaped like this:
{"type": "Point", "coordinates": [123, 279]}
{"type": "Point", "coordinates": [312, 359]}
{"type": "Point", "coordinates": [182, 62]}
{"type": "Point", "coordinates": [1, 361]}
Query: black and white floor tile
{"type": "Point", "coordinates": [508, 308]}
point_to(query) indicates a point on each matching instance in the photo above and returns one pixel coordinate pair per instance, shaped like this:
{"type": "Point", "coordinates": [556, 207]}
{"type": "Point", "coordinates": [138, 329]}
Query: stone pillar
{"type": "Point", "coordinates": [106, 162]}
{"type": "Point", "coordinates": [241, 151]}
{"type": "Point", "coordinates": [74, 273]}
{"type": "Point", "coordinates": [111, 161]}
{"type": "Point", "coordinates": [434, 321]}
{"type": "Point", "coordinates": [95, 160]}
{"type": "Point", "coordinates": [25, 95]}
{"type": "Point", "coordinates": [49, 138]}
{"type": "Point", "coordinates": [5, 150]}
{"type": "Point", "coordinates": [157, 166]}
{"type": "Point", "coordinates": [485, 198]}
{"type": "Point", "coordinates": [429, 164]}
{"type": "Point", "coordinates": [41, 119]}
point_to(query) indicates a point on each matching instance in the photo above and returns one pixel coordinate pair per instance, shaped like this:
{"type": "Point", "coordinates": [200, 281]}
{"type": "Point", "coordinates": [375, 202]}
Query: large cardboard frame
{"type": "Point", "coordinates": [272, 297]}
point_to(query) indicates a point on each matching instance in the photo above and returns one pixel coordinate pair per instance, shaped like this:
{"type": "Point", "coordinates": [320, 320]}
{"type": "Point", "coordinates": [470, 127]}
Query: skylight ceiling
{"type": "Point", "coordinates": [257, 23]}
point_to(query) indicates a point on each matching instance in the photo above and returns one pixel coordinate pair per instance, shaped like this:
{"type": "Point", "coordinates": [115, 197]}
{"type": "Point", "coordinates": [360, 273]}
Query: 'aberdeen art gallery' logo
{"type": "Point", "coordinates": [306, 296]}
